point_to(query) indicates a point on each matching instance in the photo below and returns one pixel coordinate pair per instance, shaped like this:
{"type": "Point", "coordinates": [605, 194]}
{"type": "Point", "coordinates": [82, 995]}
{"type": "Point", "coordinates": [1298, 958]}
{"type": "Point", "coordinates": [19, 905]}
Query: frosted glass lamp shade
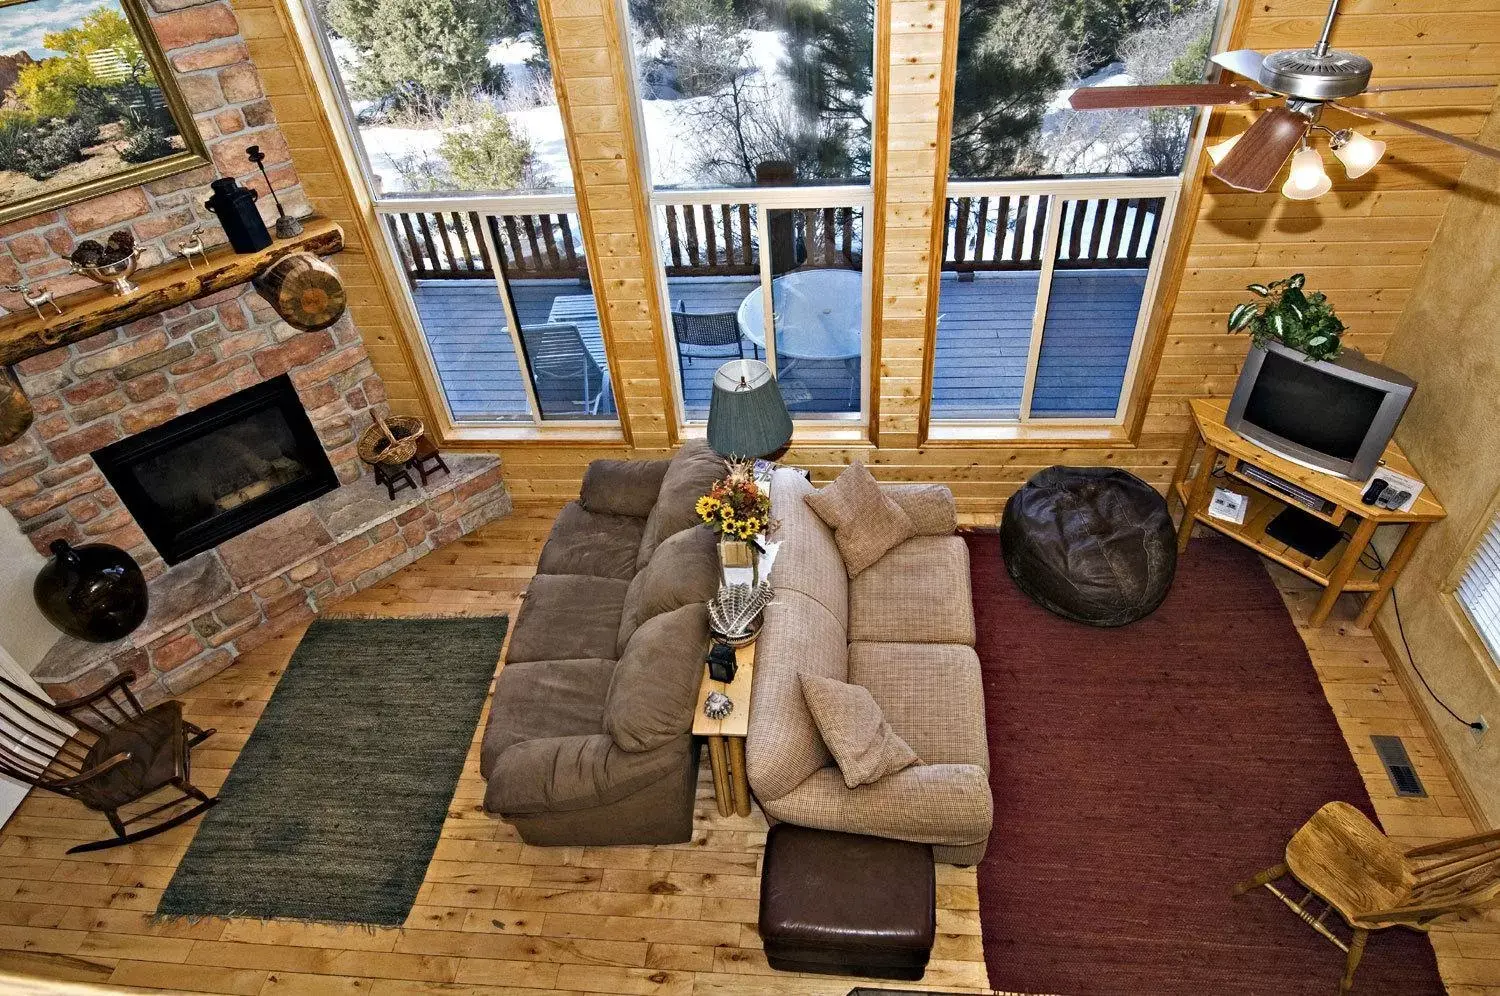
{"type": "Point", "coordinates": [1308, 179]}
{"type": "Point", "coordinates": [747, 417]}
{"type": "Point", "coordinates": [1219, 151]}
{"type": "Point", "coordinates": [1358, 154]}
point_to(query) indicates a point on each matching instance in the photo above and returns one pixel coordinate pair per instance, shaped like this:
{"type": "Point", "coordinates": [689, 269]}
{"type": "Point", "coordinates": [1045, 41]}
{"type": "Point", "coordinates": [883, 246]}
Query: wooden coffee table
{"type": "Point", "coordinates": [726, 737]}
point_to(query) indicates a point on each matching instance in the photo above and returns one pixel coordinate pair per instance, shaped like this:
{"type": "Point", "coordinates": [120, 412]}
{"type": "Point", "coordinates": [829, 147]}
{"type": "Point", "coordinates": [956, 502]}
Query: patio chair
{"type": "Point", "coordinates": [559, 359]}
{"type": "Point", "coordinates": [104, 750]}
{"type": "Point", "coordinates": [706, 330]}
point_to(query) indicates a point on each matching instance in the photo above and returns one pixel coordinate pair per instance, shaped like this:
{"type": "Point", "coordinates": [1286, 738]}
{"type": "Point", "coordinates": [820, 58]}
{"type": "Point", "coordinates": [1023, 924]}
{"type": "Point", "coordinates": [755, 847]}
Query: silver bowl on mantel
{"type": "Point", "coordinates": [115, 274]}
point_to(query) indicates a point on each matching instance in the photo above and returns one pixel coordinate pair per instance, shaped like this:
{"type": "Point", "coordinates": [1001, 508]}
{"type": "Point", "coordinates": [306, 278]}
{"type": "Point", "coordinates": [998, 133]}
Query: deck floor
{"type": "Point", "coordinates": [984, 333]}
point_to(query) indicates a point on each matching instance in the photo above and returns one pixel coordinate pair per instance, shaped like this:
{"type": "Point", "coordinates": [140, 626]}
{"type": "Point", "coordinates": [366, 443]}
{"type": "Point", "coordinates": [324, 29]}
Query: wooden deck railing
{"type": "Point", "coordinates": [448, 245]}
{"type": "Point", "coordinates": [1008, 233]}
{"type": "Point", "coordinates": [721, 240]}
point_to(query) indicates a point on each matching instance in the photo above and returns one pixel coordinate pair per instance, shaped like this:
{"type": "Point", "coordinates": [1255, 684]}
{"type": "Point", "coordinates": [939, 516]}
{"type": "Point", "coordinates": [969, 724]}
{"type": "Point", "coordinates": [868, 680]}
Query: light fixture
{"type": "Point", "coordinates": [1219, 151]}
{"type": "Point", "coordinates": [1308, 179]}
{"type": "Point", "coordinates": [747, 417]}
{"type": "Point", "coordinates": [1358, 153]}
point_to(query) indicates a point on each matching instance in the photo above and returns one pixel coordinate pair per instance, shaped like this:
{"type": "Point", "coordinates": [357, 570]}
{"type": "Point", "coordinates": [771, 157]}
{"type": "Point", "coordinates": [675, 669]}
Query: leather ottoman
{"type": "Point", "coordinates": [847, 904]}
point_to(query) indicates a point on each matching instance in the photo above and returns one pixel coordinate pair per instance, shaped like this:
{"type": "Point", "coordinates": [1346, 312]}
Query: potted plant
{"type": "Point", "coordinates": [738, 511]}
{"type": "Point", "coordinates": [1285, 313]}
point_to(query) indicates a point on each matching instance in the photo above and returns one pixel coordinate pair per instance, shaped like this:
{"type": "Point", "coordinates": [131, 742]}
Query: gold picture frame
{"type": "Point", "coordinates": [108, 96]}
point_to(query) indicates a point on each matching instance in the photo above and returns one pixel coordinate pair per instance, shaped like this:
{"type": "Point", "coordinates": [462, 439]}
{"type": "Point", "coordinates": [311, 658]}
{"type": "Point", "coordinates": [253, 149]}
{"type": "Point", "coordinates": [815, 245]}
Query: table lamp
{"type": "Point", "coordinates": [747, 417]}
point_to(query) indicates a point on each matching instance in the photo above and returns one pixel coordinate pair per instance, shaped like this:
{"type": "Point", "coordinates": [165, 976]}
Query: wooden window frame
{"type": "Point", "coordinates": [1169, 258]}
{"type": "Point", "coordinates": [317, 57]}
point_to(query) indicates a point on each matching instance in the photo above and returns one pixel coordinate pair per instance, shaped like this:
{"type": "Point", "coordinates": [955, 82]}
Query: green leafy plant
{"type": "Point", "coordinates": [145, 145]}
{"type": "Point", "coordinates": [1288, 315]}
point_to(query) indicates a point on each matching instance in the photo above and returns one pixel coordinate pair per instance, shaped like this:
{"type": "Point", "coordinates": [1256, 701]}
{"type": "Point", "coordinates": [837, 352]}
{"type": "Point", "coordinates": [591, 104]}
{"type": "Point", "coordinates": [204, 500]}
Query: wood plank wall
{"type": "Point", "coordinates": [1362, 244]}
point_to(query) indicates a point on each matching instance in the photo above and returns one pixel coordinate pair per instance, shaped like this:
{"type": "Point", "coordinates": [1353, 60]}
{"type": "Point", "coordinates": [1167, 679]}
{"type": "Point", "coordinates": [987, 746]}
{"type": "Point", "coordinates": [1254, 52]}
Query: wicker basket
{"type": "Point", "coordinates": [391, 440]}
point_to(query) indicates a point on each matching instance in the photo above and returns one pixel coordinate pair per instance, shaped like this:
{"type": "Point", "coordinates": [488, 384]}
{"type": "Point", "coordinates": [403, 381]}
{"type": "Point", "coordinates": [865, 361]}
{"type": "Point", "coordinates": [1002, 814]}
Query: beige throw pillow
{"type": "Point", "coordinates": [855, 730]}
{"type": "Point", "coordinates": [866, 523]}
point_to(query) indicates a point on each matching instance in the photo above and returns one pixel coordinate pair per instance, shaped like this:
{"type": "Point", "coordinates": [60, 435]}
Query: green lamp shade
{"type": "Point", "coordinates": [747, 417]}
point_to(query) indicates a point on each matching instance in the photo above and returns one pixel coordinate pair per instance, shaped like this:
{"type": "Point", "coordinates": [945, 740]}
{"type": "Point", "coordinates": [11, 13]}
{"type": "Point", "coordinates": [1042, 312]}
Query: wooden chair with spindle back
{"type": "Point", "coordinates": [1344, 860]}
{"type": "Point", "coordinates": [104, 750]}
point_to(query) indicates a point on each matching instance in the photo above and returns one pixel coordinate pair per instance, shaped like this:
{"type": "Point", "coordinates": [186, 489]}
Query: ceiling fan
{"type": "Point", "coordinates": [1305, 81]}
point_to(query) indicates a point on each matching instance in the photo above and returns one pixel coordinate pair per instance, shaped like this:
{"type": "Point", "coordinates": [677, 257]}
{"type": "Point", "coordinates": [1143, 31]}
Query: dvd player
{"type": "Point", "coordinates": [1286, 488]}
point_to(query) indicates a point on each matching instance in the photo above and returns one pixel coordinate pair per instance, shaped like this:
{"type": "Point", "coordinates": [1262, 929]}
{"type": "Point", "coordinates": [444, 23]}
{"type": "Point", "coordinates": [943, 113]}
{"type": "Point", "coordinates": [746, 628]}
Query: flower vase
{"type": "Point", "coordinates": [738, 555]}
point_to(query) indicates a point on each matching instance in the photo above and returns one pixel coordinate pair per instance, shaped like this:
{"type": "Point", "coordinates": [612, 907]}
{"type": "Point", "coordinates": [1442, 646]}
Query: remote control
{"type": "Point", "coordinates": [1373, 493]}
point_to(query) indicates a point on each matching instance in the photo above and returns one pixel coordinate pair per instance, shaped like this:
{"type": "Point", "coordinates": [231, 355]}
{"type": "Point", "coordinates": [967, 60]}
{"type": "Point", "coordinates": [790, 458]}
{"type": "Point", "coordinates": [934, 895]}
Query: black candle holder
{"type": "Point", "coordinates": [286, 226]}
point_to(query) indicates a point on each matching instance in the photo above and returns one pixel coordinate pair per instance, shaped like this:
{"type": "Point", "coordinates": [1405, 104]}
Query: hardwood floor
{"type": "Point", "coordinates": [497, 916]}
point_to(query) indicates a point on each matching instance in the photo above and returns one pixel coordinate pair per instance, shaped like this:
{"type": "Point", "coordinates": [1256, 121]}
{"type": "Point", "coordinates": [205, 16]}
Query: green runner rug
{"type": "Point", "coordinates": [333, 808]}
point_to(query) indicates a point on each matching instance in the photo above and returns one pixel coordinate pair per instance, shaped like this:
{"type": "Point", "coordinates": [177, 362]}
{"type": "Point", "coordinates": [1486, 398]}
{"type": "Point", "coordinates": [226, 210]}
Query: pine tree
{"type": "Point", "coordinates": [422, 54]}
{"type": "Point", "coordinates": [1010, 64]}
{"type": "Point", "coordinates": [829, 62]}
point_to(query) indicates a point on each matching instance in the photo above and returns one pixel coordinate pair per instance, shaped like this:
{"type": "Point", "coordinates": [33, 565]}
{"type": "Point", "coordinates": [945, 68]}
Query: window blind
{"type": "Point", "coordinates": [1479, 591]}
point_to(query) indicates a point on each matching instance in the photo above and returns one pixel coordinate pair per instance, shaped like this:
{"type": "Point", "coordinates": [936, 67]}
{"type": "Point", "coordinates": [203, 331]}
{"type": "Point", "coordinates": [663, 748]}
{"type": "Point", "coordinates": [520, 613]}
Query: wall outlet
{"type": "Point", "coordinates": [1483, 728]}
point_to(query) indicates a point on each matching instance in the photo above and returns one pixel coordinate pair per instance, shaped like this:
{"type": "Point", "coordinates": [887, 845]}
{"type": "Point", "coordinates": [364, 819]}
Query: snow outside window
{"type": "Point", "coordinates": [1057, 218]}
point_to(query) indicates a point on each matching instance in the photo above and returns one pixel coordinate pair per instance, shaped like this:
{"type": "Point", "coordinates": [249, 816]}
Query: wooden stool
{"type": "Point", "coordinates": [427, 461]}
{"type": "Point", "coordinates": [394, 477]}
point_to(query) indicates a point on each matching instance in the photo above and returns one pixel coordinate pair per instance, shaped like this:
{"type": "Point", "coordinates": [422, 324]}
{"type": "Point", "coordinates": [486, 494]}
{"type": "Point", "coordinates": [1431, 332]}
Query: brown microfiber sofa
{"type": "Point", "coordinates": [589, 736]}
{"type": "Point", "coordinates": [903, 629]}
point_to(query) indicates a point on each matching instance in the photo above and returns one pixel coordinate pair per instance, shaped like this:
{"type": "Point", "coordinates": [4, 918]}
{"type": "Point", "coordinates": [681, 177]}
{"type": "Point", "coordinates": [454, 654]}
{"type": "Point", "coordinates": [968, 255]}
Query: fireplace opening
{"type": "Point", "coordinates": [203, 477]}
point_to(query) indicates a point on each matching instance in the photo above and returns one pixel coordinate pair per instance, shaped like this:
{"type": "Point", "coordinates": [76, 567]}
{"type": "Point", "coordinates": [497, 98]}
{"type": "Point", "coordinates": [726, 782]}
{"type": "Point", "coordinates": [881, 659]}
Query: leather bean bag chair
{"type": "Point", "coordinates": [1092, 544]}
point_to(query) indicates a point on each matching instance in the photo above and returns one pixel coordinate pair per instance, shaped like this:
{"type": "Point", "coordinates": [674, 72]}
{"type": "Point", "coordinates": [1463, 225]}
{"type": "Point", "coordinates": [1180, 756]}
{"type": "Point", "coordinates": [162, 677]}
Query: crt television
{"type": "Point", "coordinates": [1331, 415]}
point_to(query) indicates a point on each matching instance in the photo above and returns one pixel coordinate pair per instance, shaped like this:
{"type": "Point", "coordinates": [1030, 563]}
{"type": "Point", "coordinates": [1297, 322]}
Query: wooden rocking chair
{"type": "Point", "coordinates": [1344, 860]}
{"type": "Point", "coordinates": [104, 750]}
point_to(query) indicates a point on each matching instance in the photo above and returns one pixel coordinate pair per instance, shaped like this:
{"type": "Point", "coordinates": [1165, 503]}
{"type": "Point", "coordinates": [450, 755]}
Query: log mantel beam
{"type": "Point", "coordinates": [162, 288]}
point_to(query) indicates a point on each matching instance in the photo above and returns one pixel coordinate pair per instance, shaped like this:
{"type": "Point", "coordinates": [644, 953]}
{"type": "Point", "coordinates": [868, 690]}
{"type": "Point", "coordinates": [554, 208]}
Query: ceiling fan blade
{"type": "Point", "coordinates": [1100, 98]}
{"type": "Point", "coordinates": [1420, 129]}
{"type": "Point", "coordinates": [1244, 61]}
{"type": "Point", "coordinates": [1261, 151]}
{"type": "Point", "coordinates": [1397, 88]}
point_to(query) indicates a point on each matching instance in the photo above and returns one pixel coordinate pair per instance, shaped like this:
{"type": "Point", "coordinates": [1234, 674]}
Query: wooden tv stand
{"type": "Point", "coordinates": [1342, 569]}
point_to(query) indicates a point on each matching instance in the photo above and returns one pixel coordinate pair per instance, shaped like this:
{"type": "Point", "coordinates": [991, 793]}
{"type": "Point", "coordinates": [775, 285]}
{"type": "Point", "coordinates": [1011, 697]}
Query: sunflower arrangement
{"type": "Point", "coordinates": [735, 507]}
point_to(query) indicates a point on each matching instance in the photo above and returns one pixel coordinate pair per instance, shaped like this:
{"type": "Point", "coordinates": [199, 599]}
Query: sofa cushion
{"type": "Point", "coordinates": [563, 774]}
{"type": "Point", "coordinates": [567, 617]}
{"type": "Point", "coordinates": [931, 694]}
{"type": "Point", "coordinates": [592, 543]}
{"type": "Point", "coordinates": [856, 733]}
{"type": "Point", "coordinates": [798, 636]}
{"type": "Point", "coordinates": [654, 690]}
{"type": "Point", "coordinates": [947, 804]}
{"type": "Point", "coordinates": [540, 699]}
{"type": "Point", "coordinates": [917, 593]}
{"type": "Point", "coordinates": [808, 560]}
{"type": "Point", "coordinates": [929, 507]}
{"type": "Point", "coordinates": [693, 470]}
{"type": "Point", "coordinates": [866, 524]}
{"type": "Point", "coordinates": [622, 487]}
{"type": "Point", "coordinates": [683, 570]}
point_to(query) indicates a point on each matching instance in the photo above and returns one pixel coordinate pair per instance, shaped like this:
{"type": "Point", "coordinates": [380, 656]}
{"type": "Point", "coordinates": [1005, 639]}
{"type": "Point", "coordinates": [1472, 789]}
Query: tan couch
{"type": "Point", "coordinates": [904, 629]}
{"type": "Point", "coordinates": [589, 740]}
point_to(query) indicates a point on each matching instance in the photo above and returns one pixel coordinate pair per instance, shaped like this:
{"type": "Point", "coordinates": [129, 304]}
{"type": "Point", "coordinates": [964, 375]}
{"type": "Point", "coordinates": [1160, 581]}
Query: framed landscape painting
{"type": "Point", "coordinates": [87, 104]}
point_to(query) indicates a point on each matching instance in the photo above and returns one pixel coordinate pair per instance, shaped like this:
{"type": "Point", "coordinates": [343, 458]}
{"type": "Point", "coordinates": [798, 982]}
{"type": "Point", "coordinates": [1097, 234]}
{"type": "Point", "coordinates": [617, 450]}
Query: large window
{"type": "Point", "coordinates": [755, 115]}
{"type": "Point", "coordinates": [1479, 589]}
{"type": "Point", "coordinates": [1057, 219]}
{"type": "Point", "coordinates": [452, 113]}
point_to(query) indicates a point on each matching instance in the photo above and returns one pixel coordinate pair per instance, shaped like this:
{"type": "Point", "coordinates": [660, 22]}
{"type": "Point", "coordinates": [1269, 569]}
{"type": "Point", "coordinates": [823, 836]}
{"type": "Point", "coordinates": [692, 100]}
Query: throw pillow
{"type": "Point", "coordinates": [855, 730]}
{"type": "Point", "coordinates": [866, 523]}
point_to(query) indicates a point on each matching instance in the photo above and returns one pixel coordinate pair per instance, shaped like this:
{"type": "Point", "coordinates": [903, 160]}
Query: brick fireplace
{"type": "Point", "coordinates": [215, 604]}
{"type": "Point", "coordinates": [209, 604]}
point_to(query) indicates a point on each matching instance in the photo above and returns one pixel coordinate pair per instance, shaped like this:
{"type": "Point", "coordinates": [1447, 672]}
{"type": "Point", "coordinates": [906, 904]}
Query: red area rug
{"type": "Point", "coordinates": [1140, 772]}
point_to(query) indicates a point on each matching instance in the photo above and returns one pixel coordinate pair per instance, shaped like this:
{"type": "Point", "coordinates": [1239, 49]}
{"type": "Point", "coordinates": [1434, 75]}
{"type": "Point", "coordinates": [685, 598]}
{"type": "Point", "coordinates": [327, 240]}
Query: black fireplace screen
{"type": "Point", "coordinates": [203, 477]}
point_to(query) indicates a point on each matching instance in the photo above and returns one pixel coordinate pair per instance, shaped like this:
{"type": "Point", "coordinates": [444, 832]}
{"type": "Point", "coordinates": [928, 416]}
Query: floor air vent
{"type": "Point", "coordinates": [1398, 766]}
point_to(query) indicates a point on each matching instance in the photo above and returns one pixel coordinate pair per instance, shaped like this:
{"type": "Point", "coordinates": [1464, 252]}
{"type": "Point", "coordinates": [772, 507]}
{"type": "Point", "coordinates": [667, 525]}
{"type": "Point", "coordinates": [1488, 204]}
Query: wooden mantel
{"type": "Point", "coordinates": [162, 288]}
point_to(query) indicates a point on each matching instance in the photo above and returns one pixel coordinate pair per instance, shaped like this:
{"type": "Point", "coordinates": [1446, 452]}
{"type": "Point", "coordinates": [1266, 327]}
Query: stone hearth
{"type": "Point", "coordinates": [222, 602]}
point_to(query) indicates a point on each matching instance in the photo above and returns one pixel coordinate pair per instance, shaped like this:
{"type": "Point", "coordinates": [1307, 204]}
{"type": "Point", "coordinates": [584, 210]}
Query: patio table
{"type": "Point", "coordinates": [817, 314]}
{"type": "Point", "coordinates": [581, 311]}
